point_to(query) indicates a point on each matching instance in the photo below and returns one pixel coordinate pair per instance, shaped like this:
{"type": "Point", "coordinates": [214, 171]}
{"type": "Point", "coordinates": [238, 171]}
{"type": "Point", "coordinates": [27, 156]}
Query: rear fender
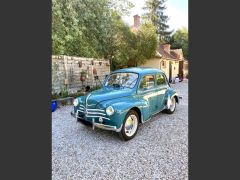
{"type": "Point", "coordinates": [170, 94]}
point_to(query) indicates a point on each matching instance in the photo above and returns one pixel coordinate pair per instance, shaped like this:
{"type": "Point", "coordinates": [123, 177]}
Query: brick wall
{"type": "Point", "coordinates": [66, 72]}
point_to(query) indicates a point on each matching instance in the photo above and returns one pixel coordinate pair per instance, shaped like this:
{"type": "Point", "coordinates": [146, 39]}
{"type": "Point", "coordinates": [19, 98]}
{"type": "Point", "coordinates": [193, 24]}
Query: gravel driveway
{"type": "Point", "coordinates": [158, 151]}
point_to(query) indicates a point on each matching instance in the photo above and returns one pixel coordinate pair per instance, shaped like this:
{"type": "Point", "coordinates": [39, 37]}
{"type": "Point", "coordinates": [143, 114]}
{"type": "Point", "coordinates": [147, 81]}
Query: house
{"type": "Point", "coordinates": [171, 61]}
{"type": "Point", "coordinates": [183, 63]}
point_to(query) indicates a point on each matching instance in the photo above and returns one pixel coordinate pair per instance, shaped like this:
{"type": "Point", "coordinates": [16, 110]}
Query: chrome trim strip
{"type": "Point", "coordinates": [90, 111]}
{"type": "Point", "coordinates": [93, 123]}
{"type": "Point", "coordinates": [87, 99]}
{"type": "Point", "coordinates": [118, 130]}
{"type": "Point", "coordinates": [97, 117]}
{"type": "Point", "coordinates": [82, 107]}
{"type": "Point", "coordinates": [106, 127]}
{"type": "Point", "coordinates": [101, 110]}
{"type": "Point", "coordinates": [98, 113]}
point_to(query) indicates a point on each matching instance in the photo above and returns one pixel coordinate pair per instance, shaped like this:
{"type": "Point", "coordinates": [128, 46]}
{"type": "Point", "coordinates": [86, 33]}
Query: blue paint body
{"type": "Point", "coordinates": [145, 102]}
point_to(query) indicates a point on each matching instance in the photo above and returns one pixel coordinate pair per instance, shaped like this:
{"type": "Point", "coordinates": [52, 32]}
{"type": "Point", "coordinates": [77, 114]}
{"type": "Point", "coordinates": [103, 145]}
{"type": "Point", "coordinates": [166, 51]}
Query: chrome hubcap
{"type": "Point", "coordinates": [131, 125]}
{"type": "Point", "coordinates": [173, 104]}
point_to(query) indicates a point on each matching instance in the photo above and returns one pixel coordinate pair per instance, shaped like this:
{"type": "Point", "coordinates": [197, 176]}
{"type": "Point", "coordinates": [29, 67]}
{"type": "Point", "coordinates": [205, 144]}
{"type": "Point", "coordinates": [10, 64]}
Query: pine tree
{"type": "Point", "coordinates": [155, 13]}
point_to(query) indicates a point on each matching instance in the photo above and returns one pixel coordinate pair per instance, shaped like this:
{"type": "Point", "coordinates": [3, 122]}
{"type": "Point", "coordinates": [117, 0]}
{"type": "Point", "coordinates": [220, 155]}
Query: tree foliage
{"type": "Point", "coordinates": [80, 27]}
{"type": "Point", "coordinates": [144, 44]}
{"type": "Point", "coordinates": [180, 40]}
{"type": "Point", "coordinates": [132, 48]}
{"type": "Point", "coordinates": [94, 28]}
{"type": "Point", "coordinates": [155, 13]}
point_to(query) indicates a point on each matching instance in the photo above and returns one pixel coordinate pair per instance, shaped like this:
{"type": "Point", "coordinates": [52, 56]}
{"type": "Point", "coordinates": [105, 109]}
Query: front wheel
{"type": "Point", "coordinates": [172, 106]}
{"type": "Point", "coordinates": [130, 125]}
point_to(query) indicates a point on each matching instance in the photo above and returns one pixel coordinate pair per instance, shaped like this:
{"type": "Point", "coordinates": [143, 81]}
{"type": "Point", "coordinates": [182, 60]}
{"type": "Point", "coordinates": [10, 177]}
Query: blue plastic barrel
{"type": "Point", "coordinates": [54, 105]}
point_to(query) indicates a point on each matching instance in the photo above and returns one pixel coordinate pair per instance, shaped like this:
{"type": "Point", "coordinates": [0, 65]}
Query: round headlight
{"type": "Point", "coordinates": [109, 110]}
{"type": "Point", "coordinates": [75, 102]}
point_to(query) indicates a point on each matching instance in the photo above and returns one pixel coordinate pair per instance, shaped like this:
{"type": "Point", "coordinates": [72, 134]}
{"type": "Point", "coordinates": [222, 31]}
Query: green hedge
{"type": "Point", "coordinates": [64, 93]}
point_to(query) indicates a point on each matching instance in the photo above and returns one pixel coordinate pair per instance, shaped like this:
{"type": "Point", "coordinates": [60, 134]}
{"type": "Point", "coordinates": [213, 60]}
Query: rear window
{"type": "Point", "coordinates": [160, 79]}
{"type": "Point", "coordinates": [147, 82]}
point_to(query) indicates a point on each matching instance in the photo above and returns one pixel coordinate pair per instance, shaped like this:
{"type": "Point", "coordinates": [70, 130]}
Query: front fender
{"type": "Point", "coordinates": [121, 107]}
{"type": "Point", "coordinates": [81, 100]}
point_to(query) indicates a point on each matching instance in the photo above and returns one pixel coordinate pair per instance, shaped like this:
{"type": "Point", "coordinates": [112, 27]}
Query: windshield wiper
{"type": "Point", "coordinates": [131, 83]}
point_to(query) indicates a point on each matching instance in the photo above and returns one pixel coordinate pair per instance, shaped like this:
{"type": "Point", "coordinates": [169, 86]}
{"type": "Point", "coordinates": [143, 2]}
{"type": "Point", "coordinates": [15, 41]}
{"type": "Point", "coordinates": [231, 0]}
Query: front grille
{"type": "Point", "coordinates": [91, 113]}
{"type": "Point", "coordinates": [81, 114]}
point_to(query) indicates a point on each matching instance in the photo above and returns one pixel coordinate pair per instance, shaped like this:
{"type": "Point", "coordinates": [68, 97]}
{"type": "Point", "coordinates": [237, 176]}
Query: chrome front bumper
{"type": "Point", "coordinates": [106, 127]}
{"type": "Point", "coordinates": [101, 126]}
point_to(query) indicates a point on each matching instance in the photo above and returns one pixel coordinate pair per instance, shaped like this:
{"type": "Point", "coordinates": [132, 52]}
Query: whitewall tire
{"type": "Point", "coordinates": [130, 125]}
{"type": "Point", "coordinates": [171, 105]}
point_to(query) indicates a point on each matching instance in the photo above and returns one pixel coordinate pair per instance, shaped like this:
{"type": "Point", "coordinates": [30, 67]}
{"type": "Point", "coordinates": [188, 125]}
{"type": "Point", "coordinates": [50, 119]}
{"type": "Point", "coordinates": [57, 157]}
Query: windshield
{"type": "Point", "coordinates": [127, 80]}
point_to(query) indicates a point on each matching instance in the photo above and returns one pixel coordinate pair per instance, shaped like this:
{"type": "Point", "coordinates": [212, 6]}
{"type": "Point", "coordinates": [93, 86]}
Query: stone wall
{"type": "Point", "coordinates": [66, 72]}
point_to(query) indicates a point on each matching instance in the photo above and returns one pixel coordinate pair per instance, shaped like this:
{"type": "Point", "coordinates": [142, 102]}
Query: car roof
{"type": "Point", "coordinates": [140, 70]}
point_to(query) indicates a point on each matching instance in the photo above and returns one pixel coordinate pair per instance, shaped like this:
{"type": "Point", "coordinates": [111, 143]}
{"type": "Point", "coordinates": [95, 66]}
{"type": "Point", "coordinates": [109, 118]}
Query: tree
{"type": "Point", "coordinates": [155, 13]}
{"type": "Point", "coordinates": [94, 28]}
{"type": "Point", "coordinates": [180, 40]}
{"type": "Point", "coordinates": [84, 27]}
{"type": "Point", "coordinates": [119, 49]}
{"type": "Point", "coordinates": [68, 29]}
{"type": "Point", "coordinates": [144, 44]}
{"type": "Point", "coordinates": [129, 48]}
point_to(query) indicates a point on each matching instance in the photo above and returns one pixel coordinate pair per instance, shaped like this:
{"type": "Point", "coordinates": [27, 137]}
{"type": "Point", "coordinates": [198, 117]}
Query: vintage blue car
{"type": "Point", "coordinates": [129, 97]}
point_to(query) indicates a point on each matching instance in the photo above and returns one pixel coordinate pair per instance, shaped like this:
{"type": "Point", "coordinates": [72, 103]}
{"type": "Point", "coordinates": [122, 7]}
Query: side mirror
{"type": "Point", "coordinates": [102, 82]}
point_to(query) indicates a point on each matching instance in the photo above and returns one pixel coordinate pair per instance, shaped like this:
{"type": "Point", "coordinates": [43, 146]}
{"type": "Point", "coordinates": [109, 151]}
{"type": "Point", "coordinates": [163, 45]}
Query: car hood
{"type": "Point", "coordinates": [105, 94]}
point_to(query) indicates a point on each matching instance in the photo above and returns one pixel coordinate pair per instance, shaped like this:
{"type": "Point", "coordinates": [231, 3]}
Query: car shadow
{"type": "Point", "coordinates": [105, 135]}
{"type": "Point", "coordinates": [97, 133]}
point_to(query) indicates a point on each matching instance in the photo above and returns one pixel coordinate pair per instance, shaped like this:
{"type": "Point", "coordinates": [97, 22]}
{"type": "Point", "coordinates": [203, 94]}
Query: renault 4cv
{"type": "Point", "coordinates": [128, 98]}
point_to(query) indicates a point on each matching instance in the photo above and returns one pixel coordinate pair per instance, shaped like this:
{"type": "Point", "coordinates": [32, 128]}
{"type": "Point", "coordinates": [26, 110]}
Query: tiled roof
{"type": "Point", "coordinates": [165, 54]}
{"type": "Point", "coordinates": [176, 54]}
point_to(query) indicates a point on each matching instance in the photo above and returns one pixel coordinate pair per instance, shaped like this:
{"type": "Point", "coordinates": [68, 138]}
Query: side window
{"type": "Point", "coordinates": [160, 80]}
{"type": "Point", "coordinates": [147, 82]}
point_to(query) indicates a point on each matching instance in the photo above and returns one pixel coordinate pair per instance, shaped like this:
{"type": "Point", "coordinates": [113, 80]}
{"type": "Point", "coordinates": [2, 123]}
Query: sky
{"type": "Point", "coordinates": [177, 11]}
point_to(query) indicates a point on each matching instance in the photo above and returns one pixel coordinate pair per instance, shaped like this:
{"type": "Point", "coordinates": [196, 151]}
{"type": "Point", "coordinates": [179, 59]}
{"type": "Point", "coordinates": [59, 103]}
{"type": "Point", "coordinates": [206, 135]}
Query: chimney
{"type": "Point", "coordinates": [166, 47]}
{"type": "Point", "coordinates": [136, 21]}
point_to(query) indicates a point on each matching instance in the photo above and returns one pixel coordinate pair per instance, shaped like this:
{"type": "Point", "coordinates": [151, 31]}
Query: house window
{"type": "Point", "coordinates": [163, 64]}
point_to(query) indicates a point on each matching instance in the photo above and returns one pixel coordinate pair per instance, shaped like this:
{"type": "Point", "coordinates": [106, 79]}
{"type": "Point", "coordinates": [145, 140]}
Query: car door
{"type": "Point", "coordinates": [146, 91]}
{"type": "Point", "coordinates": [161, 89]}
